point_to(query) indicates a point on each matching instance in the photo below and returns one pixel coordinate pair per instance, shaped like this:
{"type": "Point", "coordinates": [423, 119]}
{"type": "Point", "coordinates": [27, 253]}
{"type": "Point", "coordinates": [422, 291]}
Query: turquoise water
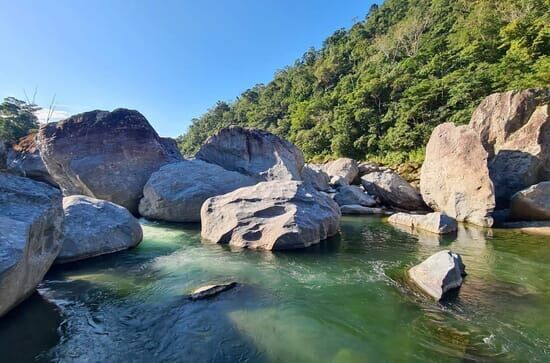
{"type": "Point", "coordinates": [342, 301]}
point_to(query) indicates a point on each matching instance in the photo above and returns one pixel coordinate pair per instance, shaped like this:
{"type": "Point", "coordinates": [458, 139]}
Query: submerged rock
{"type": "Point", "coordinates": [24, 159]}
{"type": "Point", "coordinates": [205, 292]}
{"type": "Point", "coordinates": [362, 210]}
{"type": "Point", "coordinates": [392, 190]}
{"type": "Point", "coordinates": [104, 155]}
{"type": "Point", "coordinates": [341, 171]}
{"type": "Point", "coordinates": [253, 152]}
{"type": "Point", "coordinates": [177, 191]}
{"type": "Point", "coordinates": [31, 217]}
{"type": "Point", "coordinates": [352, 194]}
{"type": "Point", "coordinates": [432, 222]}
{"type": "Point", "coordinates": [439, 273]}
{"type": "Point", "coordinates": [95, 227]}
{"type": "Point", "coordinates": [314, 176]}
{"type": "Point", "coordinates": [532, 203]}
{"type": "Point", "coordinates": [272, 215]}
{"type": "Point", "coordinates": [455, 177]}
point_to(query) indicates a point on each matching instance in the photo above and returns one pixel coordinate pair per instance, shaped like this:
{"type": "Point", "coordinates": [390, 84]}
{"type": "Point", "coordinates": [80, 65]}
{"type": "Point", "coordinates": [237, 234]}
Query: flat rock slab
{"type": "Point", "coordinates": [208, 291]}
{"type": "Point", "coordinates": [431, 222]}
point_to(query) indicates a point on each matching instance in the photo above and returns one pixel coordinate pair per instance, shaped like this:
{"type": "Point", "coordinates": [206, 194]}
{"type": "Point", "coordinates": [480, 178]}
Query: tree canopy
{"type": "Point", "coordinates": [17, 119]}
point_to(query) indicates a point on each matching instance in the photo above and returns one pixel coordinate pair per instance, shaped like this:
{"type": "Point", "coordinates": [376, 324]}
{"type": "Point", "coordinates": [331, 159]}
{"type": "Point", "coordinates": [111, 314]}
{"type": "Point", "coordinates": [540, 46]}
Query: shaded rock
{"type": "Point", "coordinates": [532, 203]}
{"type": "Point", "coordinates": [392, 190]}
{"type": "Point", "coordinates": [514, 128]}
{"type": "Point", "coordinates": [314, 176]}
{"type": "Point", "coordinates": [177, 191]}
{"type": "Point", "coordinates": [438, 274]}
{"type": "Point", "coordinates": [541, 228]}
{"type": "Point", "coordinates": [341, 171]}
{"type": "Point", "coordinates": [104, 155]}
{"type": "Point", "coordinates": [367, 167]}
{"type": "Point", "coordinates": [272, 215]}
{"type": "Point", "coordinates": [253, 152]}
{"type": "Point", "coordinates": [205, 292]}
{"type": "Point", "coordinates": [24, 159]}
{"type": "Point", "coordinates": [362, 210]}
{"type": "Point", "coordinates": [94, 227]}
{"type": "Point", "coordinates": [31, 217]}
{"type": "Point", "coordinates": [432, 222]}
{"type": "Point", "coordinates": [455, 177]}
{"type": "Point", "coordinates": [171, 147]}
{"type": "Point", "coordinates": [352, 194]}
{"type": "Point", "coordinates": [4, 149]}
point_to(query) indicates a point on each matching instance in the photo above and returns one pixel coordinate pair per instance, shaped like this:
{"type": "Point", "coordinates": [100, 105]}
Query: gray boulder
{"type": "Point", "coordinates": [314, 176]}
{"type": "Point", "coordinates": [341, 171]}
{"type": "Point", "coordinates": [454, 179]}
{"type": "Point", "coordinates": [171, 147]}
{"type": "Point", "coordinates": [31, 217]}
{"type": "Point", "coordinates": [532, 203]}
{"type": "Point", "coordinates": [438, 274]}
{"type": "Point", "coordinates": [253, 152]}
{"type": "Point", "coordinates": [177, 191]}
{"type": "Point", "coordinates": [352, 194]}
{"type": "Point", "coordinates": [94, 227]}
{"type": "Point", "coordinates": [362, 210]}
{"type": "Point", "coordinates": [274, 215]}
{"type": "Point", "coordinates": [392, 190]}
{"type": "Point", "coordinates": [24, 159]}
{"type": "Point", "coordinates": [104, 155]}
{"type": "Point", "coordinates": [432, 222]}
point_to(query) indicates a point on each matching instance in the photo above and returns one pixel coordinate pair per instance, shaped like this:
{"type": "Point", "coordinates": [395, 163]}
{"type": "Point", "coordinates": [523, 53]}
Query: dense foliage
{"type": "Point", "coordinates": [378, 89]}
{"type": "Point", "coordinates": [17, 119]}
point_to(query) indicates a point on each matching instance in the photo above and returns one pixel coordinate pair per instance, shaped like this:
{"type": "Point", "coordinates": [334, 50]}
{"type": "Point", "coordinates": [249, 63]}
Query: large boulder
{"type": "Point", "coordinates": [438, 274]}
{"type": "Point", "coordinates": [532, 203]}
{"type": "Point", "coordinates": [94, 227]}
{"type": "Point", "coordinates": [253, 152]}
{"type": "Point", "coordinates": [171, 147]}
{"type": "Point", "coordinates": [431, 222]}
{"type": "Point", "coordinates": [514, 128]}
{"type": "Point", "coordinates": [352, 194]}
{"type": "Point", "coordinates": [176, 191]}
{"type": "Point", "coordinates": [31, 217]}
{"type": "Point", "coordinates": [274, 215]}
{"type": "Point", "coordinates": [392, 190]}
{"type": "Point", "coordinates": [455, 177]}
{"type": "Point", "coordinates": [341, 171]}
{"type": "Point", "coordinates": [24, 159]}
{"type": "Point", "coordinates": [104, 155]}
{"type": "Point", "coordinates": [314, 176]}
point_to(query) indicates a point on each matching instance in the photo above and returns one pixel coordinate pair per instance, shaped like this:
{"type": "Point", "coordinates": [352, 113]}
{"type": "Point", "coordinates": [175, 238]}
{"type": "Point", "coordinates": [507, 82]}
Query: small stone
{"type": "Point", "coordinates": [208, 291]}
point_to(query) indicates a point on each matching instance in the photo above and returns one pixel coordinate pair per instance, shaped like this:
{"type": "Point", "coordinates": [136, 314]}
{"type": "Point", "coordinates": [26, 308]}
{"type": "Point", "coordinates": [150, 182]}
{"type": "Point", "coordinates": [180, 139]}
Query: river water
{"type": "Point", "coordinates": [342, 301]}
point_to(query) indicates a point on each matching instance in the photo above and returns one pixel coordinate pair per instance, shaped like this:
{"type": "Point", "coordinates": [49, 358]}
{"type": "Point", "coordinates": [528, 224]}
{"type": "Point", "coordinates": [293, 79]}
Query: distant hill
{"type": "Point", "coordinates": [378, 89]}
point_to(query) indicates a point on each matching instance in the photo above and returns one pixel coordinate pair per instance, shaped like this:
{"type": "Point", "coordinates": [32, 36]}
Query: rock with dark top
{"type": "Point", "coordinates": [31, 217]}
{"type": "Point", "coordinates": [352, 194]}
{"type": "Point", "coordinates": [176, 191]}
{"type": "Point", "coordinates": [253, 152]}
{"type": "Point", "coordinates": [273, 215]}
{"type": "Point", "coordinates": [532, 203]}
{"type": "Point", "coordinates": [392, 190]}
{"type": "Point", "coordinates": [104, 155]}
{"type": "Point", "coordinates": [24, 159]}
{"type": "Point", "coordinates": [208, 291]}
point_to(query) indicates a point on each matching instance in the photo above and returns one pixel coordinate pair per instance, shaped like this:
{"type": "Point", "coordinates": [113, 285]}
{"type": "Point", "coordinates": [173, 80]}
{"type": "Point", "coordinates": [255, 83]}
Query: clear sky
{"type": "Point", "coordinates": [170, 60]}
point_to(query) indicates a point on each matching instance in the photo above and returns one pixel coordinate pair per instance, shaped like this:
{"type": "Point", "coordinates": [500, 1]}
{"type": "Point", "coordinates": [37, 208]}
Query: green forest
{"type": "Point", "coordinates": [377, 90]}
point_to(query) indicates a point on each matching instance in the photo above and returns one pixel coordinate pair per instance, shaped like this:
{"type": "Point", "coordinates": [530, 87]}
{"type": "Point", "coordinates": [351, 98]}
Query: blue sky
{"type": "Point", "coordinates": [171, 60]}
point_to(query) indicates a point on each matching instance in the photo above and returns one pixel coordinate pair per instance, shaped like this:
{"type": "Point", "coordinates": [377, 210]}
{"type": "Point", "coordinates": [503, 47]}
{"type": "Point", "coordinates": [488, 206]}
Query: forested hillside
{"type": "Point", "coordinates": [378, 89]}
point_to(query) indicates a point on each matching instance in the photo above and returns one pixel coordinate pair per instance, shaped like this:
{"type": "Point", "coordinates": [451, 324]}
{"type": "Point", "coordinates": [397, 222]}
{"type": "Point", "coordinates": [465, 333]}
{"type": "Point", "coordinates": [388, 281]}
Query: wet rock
{"type": "Point", "coordinates": [314, 176]}
{"type": "Point", "coordinates": [208, 291]}
{"type": "Point", "coordinates": [24, 159]}
{"type": "Point", "coordinates": [31, 217]}
{"type": "Point", "coordinates": [352, 194]}
{"type": "Point", "coordinates": [104, 155]}
{"type": "Point", "coordinates": [432, 222]}
{"type": "Point", "coordinates": [362, 210]}
{"type": "Point", "coordinates": [94, 227]}
{"type": "Point", "coordinates": [455, 177]}
{"type": "Point", "coordinates": [253, 152]}
{"type": "Point", "coordinates": [177, 191]}
{"type": "Point", "coordinates": [341, 171]}
{"type": "Point", "coordinates": [392, 190]}
{"type": "Point", "coordinates": [272, 215]}
{"type": "Point", "coordinates": [438, 274]}
{"type": "Point", "coordinates": [532, 203]}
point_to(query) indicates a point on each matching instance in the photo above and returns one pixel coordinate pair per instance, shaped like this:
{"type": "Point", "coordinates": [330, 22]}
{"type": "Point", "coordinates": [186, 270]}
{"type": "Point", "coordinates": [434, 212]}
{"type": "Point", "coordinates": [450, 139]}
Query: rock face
{"type": "Point", "coordinates": [171, 147]}
{"type": "Point", "coordinates": [352, 194]}
{"type": "Point", "coordinates": [532, 203]}
{"type": "Point", "coordinates": [105, 155]}
{"type": "Point", "coordinates": [31, 217]}
{"type": "Point", "coordinates": [95, 227]}
{"type": "Point", "coordinates": [314, 176]}
{"type": "Point", "coordinates": [253, 152]}
{"type": "Point", "coordinates": [392, 190]}
{"type": "Point", "coordinates": [455, 177]}
{"type": "Point", "coordinates": [432, 222]}
{"type": "Point", "coordinates": [4, 148]}
{"type": "Point", "coordinates": [205, 292]}
{"type": "Point", "coordinates": [361, 210]}
{"type": "Point", "coordinates": [341, 169]}
{"type": "Point", "coordinates": [438, 274]}
{"type": "Point", "coordinates": [514, 128]}
{"type": "Point", "coordinates": [24, 159]}
{"type": "Point", "coordinates": [272, 215]}
{"type": "Point", "coordinates": [176, 191]}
